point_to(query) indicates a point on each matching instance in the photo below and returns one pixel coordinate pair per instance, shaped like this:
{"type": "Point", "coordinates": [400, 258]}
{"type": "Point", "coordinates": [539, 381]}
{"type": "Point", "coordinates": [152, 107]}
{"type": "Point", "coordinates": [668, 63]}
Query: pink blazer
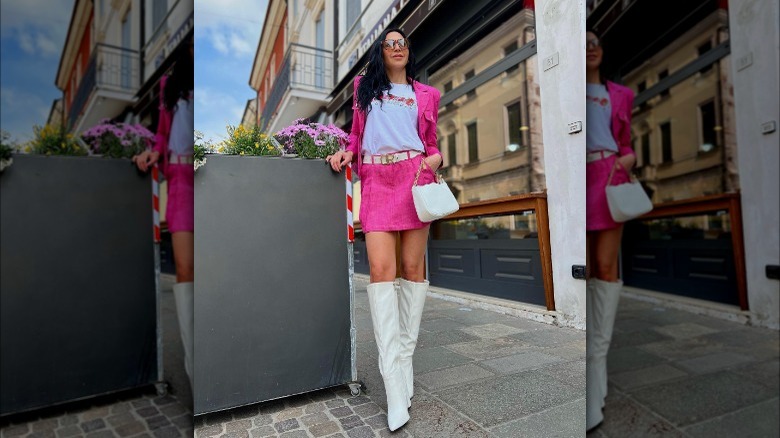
{"type": "Point", "coordinates": [427, 116]}
{"type": "Point", "coordinates": [621, 99]}
{"type": "Point", "coordinates": [163, 127]}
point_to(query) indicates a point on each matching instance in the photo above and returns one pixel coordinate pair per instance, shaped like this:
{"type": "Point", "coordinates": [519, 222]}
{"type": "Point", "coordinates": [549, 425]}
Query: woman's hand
{"type": "Point", "coordinates": [146, 159]}
{"type": "Point", "coordinates": [627, 161]}
{"type": "Point", "coordinates": [434, 161]}
{"type": "Point", "coordinates": [339, 159]}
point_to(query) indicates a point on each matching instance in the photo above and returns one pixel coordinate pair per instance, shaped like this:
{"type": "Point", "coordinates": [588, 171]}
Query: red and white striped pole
{"type": "Point", "coordinates": [350, 223]}
{"type": "Point", "coordinates": [156, 201]}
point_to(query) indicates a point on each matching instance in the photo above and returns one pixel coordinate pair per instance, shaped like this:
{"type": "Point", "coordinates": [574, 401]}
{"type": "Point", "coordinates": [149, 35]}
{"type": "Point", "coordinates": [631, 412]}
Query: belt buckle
{"type": "Point", "coordinates": [388, 158]}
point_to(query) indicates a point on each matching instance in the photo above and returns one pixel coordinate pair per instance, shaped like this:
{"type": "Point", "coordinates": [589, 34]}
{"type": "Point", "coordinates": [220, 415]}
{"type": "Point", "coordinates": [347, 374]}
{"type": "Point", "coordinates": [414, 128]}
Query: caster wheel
{"type": "Point", "coordinates": [355, 388]}
{"type": "Point", "coordinates": [162, 388]}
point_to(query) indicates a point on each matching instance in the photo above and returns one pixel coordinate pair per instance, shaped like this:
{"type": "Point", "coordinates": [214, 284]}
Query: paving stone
{"type": "Point", "coordinates": [631, 358]}
{"type": "Point", "coordinates": [93, 425]}
{"type": "Point", "coordinates": [312, 419]}
{"type": "Point", "coordinates": [764, 373]}
{"type": "Point", "coordinates": [68, 431]}
{"type": "Point", "coordinates": [237, 434]}
{"type": "Point", "coordinates": [101, 434]}
{"type": "Point", "coordinates": [646, 376]}
{"type": "Point", "coordinates": [341, 412]}
{"type": "Point", "coordinates": [68, 420]}
{"type": "Point", "coordinates": [563, 421]}
{"type": "Point", "coordinates": [351, 422]}
{"type": "Point", "coordinates": [146, 412]}
{"type": "Point", "coordinates": [367, 410]}
{"type": "Point", "coordinates": [286, 425]}
{"type": "Point", "coordinates": [121, 408]}
{"type": "Point", "coordinates": [42, 434]}
{"type": "Point", "coordinates": [554, 337]}
{"type": "Point", "coordinates": [95, 413]}
{"type": "Point", "coordinates": [570, 373]}
{"type": "Point", "coordinates": [245, 412]}
{"type": "Point", "coordinates": [432, 418]}
{"type": "Point", "coordinates": [164, 400]}
{"type": "Point", "coordinates": [330, 404]}
{"type": "Point", "coordinates": [701, 397]}
{"type": "Point", "coordinates": [439, 339]}
{"type": "Point", "coordinates": [625, 418]}
{"type": "Point", "coordinates": [684, 330]}
{"type": "Point", "coordinates": [361, 432]}
{"type": "Point", "coordinates": [167, 432]}
{"type": "Point", "coordinates": [173, 409]}
{"type": "Point", "coordinates": [491, 331]}
{"type": "Point", "coordinates": [622, 339]}
{"type": "Point", "coordinates": [447, 377]}
{"type": "Point", "coordinates": [359, 400]}
{"type": "Point", "coordinates": [208, 431]}
{"type": "Point", "coordinates": [17, 430]}
{"type": "Point", "coordinates": [441, 325]}
{"type": "Point", "coordinates": [271, 407]}
{"type": "Point", "coordinates": [519, 362]}
{"type": "Point", "coordinates": [262, 431]}
{"type": "Point", "coordinates": [157, 422]}
{"type": "Point", "coordinates": [217, 418]}
{"type": "Point", "coordinates": [714, 362]}
{"type": "Point", "coordinates": [295, 434]}
{"type": "Point", "coordinates": [45, 425]}
{"type": "Point", "coordinates": [323, 429]}
{"type": "Point", "coordinates": [378, 421]}
{"type": "Point", "coordinates": [486, 348]}
{"type": "Point", "coordinates": [437, 358]}
{"type": "Point", "coordinates": [183, 421]}
{"type": "Point", "coordinates": [130, 428]}
{"type": "Point", "coordinates": [140, 403]}
{"type": "Point", "coordinates": [119, 419]}
{"type": "Point", "coordinates": [314, 408]}
{"type": "Point", "coordinates": [237, 425]}
{"type": "Point", "coordinates": [288, 413]}
{"type": "Point", "coordinates": [263, 419]}
{"type": "Point", "coordinates": [521, 394]}
{"type": "Point", "coordinates": [755, 421]}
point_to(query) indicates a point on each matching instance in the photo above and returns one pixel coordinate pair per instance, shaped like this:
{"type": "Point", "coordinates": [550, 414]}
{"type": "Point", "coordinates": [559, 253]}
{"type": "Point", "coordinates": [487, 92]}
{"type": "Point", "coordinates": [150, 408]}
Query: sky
{"type": "Point", "coordinates": [32, 35]}
{"type": "Point", "coordinates": [227, 33]}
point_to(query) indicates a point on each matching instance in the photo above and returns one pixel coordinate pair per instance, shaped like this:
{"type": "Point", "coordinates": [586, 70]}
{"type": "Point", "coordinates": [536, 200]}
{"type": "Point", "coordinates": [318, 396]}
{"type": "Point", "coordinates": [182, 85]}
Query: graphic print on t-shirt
{"type": "Point", "coordinates": [392, 99]}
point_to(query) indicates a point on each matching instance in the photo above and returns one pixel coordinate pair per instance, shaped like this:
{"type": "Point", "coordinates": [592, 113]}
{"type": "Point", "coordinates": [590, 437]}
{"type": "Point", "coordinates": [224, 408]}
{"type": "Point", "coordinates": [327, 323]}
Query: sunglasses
{"type": "Point", "coordinates": [390, 44]}
{"type": "Point", "coordinates": [592, 43]}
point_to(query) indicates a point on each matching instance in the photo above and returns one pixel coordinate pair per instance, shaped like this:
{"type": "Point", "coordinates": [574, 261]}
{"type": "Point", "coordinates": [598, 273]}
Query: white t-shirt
{"type": "Point", "coordinates": [392, 126]}
{"type": "Point", "coordinates": [181, 140]}
{"type": "Point", "coordinates": [598, 110]}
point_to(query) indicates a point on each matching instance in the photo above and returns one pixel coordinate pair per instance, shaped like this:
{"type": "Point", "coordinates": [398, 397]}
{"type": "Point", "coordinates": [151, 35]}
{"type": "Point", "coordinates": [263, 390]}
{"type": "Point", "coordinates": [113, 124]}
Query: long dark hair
{"type": "Point", "coordinates": [182, 79]}
{"type": "Point", "coordinates": [375, 81]}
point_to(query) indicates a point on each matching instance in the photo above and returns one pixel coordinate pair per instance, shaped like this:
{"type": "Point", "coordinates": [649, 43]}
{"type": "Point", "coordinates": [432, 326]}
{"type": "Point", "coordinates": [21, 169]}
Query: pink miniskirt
{"type": "Point", "coordinates": [597, 216]}
{"type": "Point", "coordinates": [386, 202]}
{"type": "Point", "coordinates": [180, 208]}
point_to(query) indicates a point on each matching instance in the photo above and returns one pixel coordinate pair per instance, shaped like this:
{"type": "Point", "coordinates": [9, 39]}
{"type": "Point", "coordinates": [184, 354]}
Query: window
{"type": "Point", "coordinates": [159, 10]}
{"type": "Point", "coordinates": [663, 74]}
{"type": "Point", "coordinates": [471, 128]}
{"type": "Point", "coordinates": [645, 146]}
{"type": "Point", "coordinates": [513, 126]}
{"type": "Point", "coordinates": [448, 86]}
{"type": "Point", "coordinates": [470, 74]}
{"type": "Point", "coordinates": [666, 142]}
{"type": "Point", "coordinates": [701, 50]}
{"type": "Point", "coordinates": [709, 133]}
{"type": "Point", "coordinates": [353, 11]}
{"type": "Point", "coordinates": [640, 87]}
{"type": "Point", "coordinates": [507, 50]}
{"type": "Point", "coordinates": [451, 149]}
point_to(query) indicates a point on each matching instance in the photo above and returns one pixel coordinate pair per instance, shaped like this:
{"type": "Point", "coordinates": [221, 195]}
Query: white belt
{"type": "Point", "coordinates": [390, 158]}
{"type": "Point", "coordinates": [180, 159]}
{"type": "Point", "coordinates": [598, 155]}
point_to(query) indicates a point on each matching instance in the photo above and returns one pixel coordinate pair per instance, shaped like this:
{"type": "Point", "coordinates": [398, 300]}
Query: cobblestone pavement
{"type": "Point", "coordinates": [677, 374]}
{"type": "Point", "coordinates": [137, 413]}
{"type": "Point", "coordinates": [477, 373]}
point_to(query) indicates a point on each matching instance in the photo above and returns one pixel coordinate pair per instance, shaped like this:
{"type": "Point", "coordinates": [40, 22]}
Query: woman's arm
{"type": "Point", "coordinates": [434, 157]}
{"type": "Point", "coordinates": [356, 131]}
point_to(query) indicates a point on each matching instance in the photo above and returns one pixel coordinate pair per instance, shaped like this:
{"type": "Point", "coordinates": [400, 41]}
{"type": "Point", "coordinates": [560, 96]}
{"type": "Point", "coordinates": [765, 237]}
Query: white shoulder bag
{"type": "Point", "coordinates": [433, 201]}
{"type": "Point", "coordinates": [626, 201]}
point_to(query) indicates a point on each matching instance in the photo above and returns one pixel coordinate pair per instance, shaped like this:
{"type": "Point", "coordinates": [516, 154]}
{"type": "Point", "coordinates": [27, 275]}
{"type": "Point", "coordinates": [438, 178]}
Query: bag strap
{"type": "Point", "coordinates": [422, 163]}
{"type": "Point", "coordinates": [612, 172]}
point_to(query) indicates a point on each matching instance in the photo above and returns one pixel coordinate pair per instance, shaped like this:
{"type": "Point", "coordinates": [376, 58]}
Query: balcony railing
{"type": "Point", "coordinates": [303, 68]}
{"type": "Point", "coordinates": [110, 67]}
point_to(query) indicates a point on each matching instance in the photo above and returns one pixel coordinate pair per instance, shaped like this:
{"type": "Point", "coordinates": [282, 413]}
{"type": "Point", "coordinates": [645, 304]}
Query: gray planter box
{"type": "Point", "coordinates": [78, 298]}
{"type": "Point", "coordinates": [273, 296]}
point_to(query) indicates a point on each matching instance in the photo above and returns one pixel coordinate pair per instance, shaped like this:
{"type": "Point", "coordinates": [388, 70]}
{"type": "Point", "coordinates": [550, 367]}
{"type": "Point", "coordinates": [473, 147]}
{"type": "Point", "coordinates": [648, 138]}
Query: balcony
{"type": "Point", "coordinates": [107, 87]}
{"type": "Point", "coordinates": [302, 86]}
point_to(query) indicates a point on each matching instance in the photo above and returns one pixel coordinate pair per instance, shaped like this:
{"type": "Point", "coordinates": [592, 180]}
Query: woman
{"type": "Point", "coordinates": [174, 142]}
{"type": "Point", "coordinates": [608, 142]}
{"type": "Point", "coordinates": [393, 134]}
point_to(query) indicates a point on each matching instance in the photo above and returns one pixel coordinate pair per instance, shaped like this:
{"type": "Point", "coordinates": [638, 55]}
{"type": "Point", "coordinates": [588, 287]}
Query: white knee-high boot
{"type": "Point", "coordinates": [184, 295]}
{"type": "Point", "coordinates": [383, 303]}
{"type": "Point", "coordinates": [602, 303]}
{"type": "Point", "coordinates": [411, 300]}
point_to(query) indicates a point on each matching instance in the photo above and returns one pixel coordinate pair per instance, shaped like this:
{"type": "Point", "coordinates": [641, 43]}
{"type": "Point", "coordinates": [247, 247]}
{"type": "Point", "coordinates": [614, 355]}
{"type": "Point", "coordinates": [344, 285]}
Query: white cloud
{"type": "Point", "coordinates": [230, 26]}
{"type": "Point", "coordinates": [215, 109]}
{"type": "Point", "coordinates": [24, 109]}
{"type": "Point", "coordinates": [38, 26]}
